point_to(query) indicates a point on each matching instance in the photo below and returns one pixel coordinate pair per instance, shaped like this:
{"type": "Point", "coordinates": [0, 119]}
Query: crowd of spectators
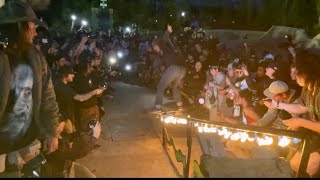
{"type": "Point", "coordinates": [83, 65]}
{"type": "Point", "coordinates": [242, 87]}
{"type": "Point", "coordinates": [235, 86]}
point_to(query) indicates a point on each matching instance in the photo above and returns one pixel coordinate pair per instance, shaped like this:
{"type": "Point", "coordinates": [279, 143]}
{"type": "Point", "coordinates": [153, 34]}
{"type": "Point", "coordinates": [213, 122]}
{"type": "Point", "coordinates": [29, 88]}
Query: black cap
{"type": "Point", "coordinates": [274, 65]}
{"type": "Point", "coordinates": [65, 70]}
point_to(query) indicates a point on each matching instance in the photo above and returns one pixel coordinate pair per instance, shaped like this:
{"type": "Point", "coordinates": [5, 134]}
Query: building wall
{"type": "Point", "coordinates": [40, 5]}
{"type": "Point", "coordinates": [2, 2]}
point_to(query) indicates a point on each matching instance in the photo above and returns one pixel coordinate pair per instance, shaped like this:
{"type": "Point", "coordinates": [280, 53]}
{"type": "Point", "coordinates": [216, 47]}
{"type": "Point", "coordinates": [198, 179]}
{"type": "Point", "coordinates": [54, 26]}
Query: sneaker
{"type": "Point", "coordinates": [157, 110]}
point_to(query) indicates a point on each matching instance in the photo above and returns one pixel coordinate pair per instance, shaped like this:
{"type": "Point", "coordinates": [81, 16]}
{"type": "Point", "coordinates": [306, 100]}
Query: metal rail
{"type": "Point", "coordinates": [305, 138]}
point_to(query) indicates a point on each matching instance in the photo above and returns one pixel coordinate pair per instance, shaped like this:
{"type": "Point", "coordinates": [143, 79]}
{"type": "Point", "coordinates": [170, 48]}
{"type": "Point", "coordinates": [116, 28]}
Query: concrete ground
{"type": "Point", "coordinates": [130, 147]}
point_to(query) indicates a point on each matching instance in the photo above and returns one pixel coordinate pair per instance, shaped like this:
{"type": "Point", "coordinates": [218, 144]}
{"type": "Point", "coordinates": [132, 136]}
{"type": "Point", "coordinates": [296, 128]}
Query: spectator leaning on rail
{"type": "Point", "coordinates": [28, 107]}
{"type": "Point", "coordinates": [308, 76]}
{"type": "Point", "coordinates": [279, 91]}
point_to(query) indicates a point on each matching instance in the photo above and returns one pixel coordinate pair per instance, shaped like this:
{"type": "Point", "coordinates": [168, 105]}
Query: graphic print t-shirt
{"type": "Point", "coordinates": [18, 114]}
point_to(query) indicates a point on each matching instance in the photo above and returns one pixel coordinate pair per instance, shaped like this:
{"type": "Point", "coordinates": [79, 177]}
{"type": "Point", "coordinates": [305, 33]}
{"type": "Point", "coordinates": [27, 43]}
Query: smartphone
{"type": "Point", "coordinates": [92, 122]}
{"type": "Point", "coordinates": [264, 100]}
{"type": "Point", "coordinates": [45, 41]}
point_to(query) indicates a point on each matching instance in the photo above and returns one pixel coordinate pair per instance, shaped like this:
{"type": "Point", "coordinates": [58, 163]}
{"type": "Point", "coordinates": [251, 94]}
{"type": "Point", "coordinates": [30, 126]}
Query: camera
{"type": "Point", "coordinates": [92, 122]}
{"type": "Point", "coordinates": [33, 167]}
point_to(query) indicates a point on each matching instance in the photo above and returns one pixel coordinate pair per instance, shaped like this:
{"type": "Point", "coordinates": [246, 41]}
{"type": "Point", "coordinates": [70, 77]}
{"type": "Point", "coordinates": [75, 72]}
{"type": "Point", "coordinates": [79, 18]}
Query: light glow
{"type": "Point", "coordinates": [112, 60]}
{"type": "Point", "coordinates": [266, 141]}
{"type": "Point", "coordinates": [84, 23]}
{"type": "Point", "coordinates": [73, 17]}
{"type": "Point", "coordinates": [120, 54]}
{"type": "Point", "coordinates": [284, 141]}
{"type": "Point", "coordinates": [241, 135]}
{"type": "Point", "coordinates": [128, 67]}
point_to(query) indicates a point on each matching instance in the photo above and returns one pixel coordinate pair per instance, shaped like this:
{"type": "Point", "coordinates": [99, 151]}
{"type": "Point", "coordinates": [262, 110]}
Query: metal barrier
{"type": "Point", "coordinates": [227, 131]}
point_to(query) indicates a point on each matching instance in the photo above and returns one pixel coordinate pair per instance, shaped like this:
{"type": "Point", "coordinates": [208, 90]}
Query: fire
{"type": "Point", "coordinates": [200, 129]}
{"type": "Point", "coordinates": [213, 130]}
{"type": "Point", "coordinates": [266, 141]}
{"type": "Point", "coordinates": [173, 120]}
{"type": "Point", "coordinates": [284, 141]}
{"type": "Point", "coordinates": [235, 137]}
{"type": "Point", "coordinates": [227, 134]}
{"type": "Point", "coordinates": [222, 132]}
{"type": "Point", "coordinates": [244, 137]}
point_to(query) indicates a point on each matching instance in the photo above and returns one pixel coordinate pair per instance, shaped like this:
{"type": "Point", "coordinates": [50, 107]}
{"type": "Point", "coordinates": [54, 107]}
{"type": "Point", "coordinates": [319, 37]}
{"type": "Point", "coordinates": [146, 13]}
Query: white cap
{"type": "Point", "coordinates": [269, 56]}
{"type": "Point", "coordinates": [275, 88]}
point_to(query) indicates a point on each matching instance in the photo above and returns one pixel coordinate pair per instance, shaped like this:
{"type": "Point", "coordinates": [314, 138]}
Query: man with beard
{"type": "Point", "coordinates": [89, 108]}
{"type": "Point", "coordinates": [28, 107]}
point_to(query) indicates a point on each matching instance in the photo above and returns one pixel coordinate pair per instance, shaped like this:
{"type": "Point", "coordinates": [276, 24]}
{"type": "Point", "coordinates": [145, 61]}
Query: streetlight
{"type": "Point", "coordinates": [73, 18]}
{"type": "Point", "coordinates": [156, 21]}
{"type": "Point", "coordinates": [183, 14]}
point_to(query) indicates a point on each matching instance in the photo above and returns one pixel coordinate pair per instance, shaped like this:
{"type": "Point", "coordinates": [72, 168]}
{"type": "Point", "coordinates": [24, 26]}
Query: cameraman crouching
{"type": "Point", "coordinates": [72, 144]}
{"type": "Point", "coordinates": [88, 108]}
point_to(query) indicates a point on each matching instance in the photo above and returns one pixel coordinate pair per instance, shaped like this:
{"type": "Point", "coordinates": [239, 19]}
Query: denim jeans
{"type": "Point", "coordinates": [172, 74]}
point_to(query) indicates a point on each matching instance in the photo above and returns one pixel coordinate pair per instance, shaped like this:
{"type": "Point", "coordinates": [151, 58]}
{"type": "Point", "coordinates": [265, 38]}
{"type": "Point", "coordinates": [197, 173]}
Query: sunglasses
{"type": "Point", "coordinates": [239, 72]}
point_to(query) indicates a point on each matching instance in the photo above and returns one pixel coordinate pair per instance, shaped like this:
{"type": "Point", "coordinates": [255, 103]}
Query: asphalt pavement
{"type": "Point", "coordinates": [129, 144]}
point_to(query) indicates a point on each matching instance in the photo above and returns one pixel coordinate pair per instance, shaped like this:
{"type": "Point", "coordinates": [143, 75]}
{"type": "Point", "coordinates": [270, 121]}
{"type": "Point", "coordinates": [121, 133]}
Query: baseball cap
{"type": "Point", "coordinates": [65, 70]}
{"type": "Point", "coordinates": [230, 66]}
{"type": "Point", "coordinates": [269, 56]}
{"type": "Point", "coordinates": [275, 88]}
{"type": "Point", "coordinates": [274, 65]}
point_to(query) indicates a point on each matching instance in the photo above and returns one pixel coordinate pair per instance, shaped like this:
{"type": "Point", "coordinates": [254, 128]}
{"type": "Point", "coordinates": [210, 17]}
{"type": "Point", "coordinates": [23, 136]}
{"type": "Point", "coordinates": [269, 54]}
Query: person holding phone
{"type": "Point", "coordinates": [67, 96]}
{"type": "Point", "coordinates": [308, 65]}
{"type": "Point", "coordinates": [280, 91]}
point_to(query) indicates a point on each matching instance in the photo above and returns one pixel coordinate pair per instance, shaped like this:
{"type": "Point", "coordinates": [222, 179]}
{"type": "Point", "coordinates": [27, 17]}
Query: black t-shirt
{"type": "Point", "coordinates": [18, 129]}
{"type": "Point", "coordinates": [169, 57]}
{"type": "Point", "coordinates": [65, 98]}
{"type": "Point", "coordinates": [195, 82]}
{"type": "Point", "coordinates": [84, 85]}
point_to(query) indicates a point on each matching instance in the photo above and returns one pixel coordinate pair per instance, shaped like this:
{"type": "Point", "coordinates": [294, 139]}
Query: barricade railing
{"type": "Point", "coordinates": [263, 136]}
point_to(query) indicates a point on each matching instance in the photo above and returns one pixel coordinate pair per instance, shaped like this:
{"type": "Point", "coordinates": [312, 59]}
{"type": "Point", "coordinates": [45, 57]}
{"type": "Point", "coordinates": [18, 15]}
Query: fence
{"type": "Point", "coordinates": [230, 131]}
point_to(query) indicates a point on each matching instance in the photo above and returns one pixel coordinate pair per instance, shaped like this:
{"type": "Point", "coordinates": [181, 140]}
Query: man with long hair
{"type": "Point", "coordinates": [28, 107]}
{"type": "Point", "coordinates": [308, 77]}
